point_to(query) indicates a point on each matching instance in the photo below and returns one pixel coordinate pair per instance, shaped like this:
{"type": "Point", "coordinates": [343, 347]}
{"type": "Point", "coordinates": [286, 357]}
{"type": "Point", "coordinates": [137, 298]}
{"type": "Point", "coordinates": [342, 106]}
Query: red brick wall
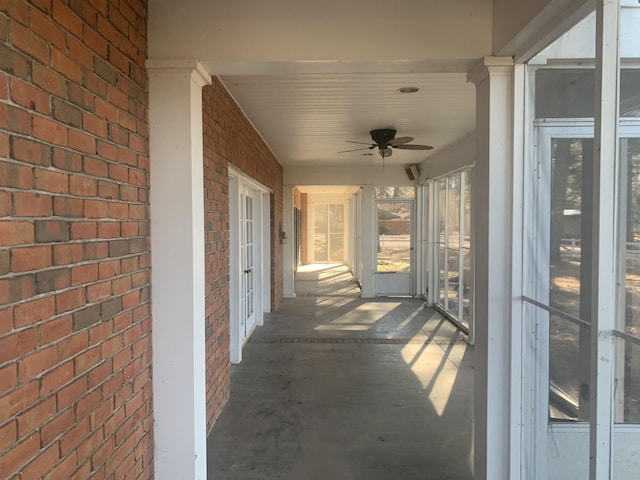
{"type": "Point", "coordinates": [230, 138]}
{"type": "Point", "coordinates": [75, 344]}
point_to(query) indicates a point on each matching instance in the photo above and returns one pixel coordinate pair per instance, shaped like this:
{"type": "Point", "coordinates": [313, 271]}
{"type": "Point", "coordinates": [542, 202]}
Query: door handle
{"type": "Point", "coordinates": [248, 270]}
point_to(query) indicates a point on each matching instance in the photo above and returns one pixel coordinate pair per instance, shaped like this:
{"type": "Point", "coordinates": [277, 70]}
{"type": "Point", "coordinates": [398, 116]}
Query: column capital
{"type": "Point", "coordinates": [487, 66]}
{"type": "Point", "coordinates": [180, 67]}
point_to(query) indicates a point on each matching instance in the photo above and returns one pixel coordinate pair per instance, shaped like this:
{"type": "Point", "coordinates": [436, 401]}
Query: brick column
{"type": "Point", "coordinates": [177, 220]}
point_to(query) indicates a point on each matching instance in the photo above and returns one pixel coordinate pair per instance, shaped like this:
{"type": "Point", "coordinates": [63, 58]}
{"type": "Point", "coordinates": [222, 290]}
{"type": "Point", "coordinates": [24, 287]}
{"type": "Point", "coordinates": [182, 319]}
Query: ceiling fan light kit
{"type": "Point", "coordinates": [385, 140]}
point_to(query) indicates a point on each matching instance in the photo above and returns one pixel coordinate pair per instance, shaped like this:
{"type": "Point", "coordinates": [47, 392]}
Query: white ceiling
{"type": "Point", "coordinates": [312, 74]}
{"type": "Point", "coordinates": [306, 118]}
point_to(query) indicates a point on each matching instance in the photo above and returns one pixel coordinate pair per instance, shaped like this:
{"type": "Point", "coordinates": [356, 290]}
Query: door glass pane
{"type": "Point", "coordinates": [568, 235]}
{"type": "Point", "coordinates": [566, 367]}
{"type": "Point", "coordinates": [570, 282]}
{"type": "Point", "coordinates": [394, 236]}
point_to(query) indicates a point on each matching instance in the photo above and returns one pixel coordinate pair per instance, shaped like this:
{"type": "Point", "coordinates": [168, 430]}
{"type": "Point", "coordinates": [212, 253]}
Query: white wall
{"type": "Point", "coordinates": [579, 42]}
{"type": "Point", "coordinates": [460, 155]}
{"type": "Point", "coordinates": [522, 27]}
{"type": "Point", "coordinates": [347, 175]}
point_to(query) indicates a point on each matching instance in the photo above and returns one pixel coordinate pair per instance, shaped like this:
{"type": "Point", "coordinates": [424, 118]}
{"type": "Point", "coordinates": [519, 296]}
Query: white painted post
{"type": "Point", "coordinates": [519, 337]}
{"type": "Point", "coordinates": [177, 245]}
{"type": "Point", "coordinates": [491, 193]}
{"type": "Point", "coordinates": [288, 256]}
{"type": "Point", "coordinates": [369, 238]}
{"type": "Point", "coordinates": [432, 235]}
{"type": "Point", "coordinates": [604, 246]}
{"type": "Point", "coordinates": [420, 218]}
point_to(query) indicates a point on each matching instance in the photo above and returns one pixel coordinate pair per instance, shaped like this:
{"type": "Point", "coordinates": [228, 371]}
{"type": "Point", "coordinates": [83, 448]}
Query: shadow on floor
{"type": "Point", "coordinates": [338, 387]}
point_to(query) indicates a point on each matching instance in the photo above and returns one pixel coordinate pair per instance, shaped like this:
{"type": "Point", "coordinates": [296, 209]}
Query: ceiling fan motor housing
{"type": "Point", "coordinates": [383, 136]}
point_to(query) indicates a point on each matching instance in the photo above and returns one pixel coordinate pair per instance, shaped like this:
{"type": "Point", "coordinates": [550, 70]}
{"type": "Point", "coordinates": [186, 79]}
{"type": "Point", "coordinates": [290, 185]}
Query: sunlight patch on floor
{"type": "Point", "coordinates": [316, 267]}
{"type": "Point", "coordinates": [377, 306]}
{"type": "Point", "coordinates": [409, 318]}
{"type": "Point", "coordinates": [436, 374]}
{"type": "Point", "coordinates": [342, 328]}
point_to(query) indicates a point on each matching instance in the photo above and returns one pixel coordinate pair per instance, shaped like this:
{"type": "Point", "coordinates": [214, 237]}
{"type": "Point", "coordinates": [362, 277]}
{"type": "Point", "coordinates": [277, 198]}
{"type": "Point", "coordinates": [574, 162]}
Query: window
{"type": "Point", "coordinates": [453, 246]}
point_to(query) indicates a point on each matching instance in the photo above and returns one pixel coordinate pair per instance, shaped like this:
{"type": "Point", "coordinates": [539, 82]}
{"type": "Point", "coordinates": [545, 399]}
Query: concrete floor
{"type": "Point", "coordinates": [335, 387]}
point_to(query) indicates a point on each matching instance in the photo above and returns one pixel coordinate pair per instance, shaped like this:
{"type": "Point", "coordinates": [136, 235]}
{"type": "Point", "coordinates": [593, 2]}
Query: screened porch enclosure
{"type": "Point", "coordinates": [581, 257]}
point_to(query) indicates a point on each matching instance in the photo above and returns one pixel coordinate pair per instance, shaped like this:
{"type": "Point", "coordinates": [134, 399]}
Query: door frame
{"type": "Point", "coordinates": [384, 279]}
{"type": "Point", "coordinates": [262, 233]}
{"type": "Point", "coordinates": [548, 437]}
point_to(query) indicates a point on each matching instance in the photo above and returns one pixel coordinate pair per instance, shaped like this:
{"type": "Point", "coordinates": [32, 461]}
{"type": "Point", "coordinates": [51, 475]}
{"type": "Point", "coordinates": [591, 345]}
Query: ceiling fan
{"type": "Point", "coordinates": [385, 140]}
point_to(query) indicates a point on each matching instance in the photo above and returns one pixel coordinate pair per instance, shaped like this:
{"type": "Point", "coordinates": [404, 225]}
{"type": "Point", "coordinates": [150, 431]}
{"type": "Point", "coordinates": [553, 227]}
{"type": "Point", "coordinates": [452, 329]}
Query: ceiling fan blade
{"type": "Point", "coordinates": [394, 142]}
{"type": "Point", "coordinates": [355, 150]}
{"type": "Point", "coordinates": [361, 143]}
{"type": "Point", "coordinates": [413, 147]}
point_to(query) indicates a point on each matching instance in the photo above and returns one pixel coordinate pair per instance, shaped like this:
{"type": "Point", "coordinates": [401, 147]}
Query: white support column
{"type": "Point", "coordinates": [604, 234]}
{"type": "Point", "coordinates": [177, 245]}
{"type": "Point", "coordinates": [288, 256]}
{"type": "Point", "coordinates": [519, 340]}
{"type": "Point", "coordinates": [420, 216]}
{"type": "Point", "coordinates": [347, 232]}
{"type": "Point", "coordinates": [492, 200]}
{"type": "Point", "coordinates": [369, 240]}
{"type": "Point", "coordinates": [432, 235]}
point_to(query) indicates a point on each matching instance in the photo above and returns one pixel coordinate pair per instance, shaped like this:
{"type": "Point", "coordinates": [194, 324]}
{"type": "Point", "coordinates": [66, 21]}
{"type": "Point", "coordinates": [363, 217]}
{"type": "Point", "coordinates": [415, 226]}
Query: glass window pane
{"type": "Point", "coordinates": [336, 218]}
{"type": "Point", "coordinates": [320, 233]}
{"type": "Point", "coordinates": [394, 193]}
{"type": "Point", "coordinates": [320, 219]}
{"type": "Point", "coordinates": [336, 249]}
{"type": "Point", "coordinates": [453, 281]}
{"type": "Point", "coordinates": [467, 273]}
{"type": "Point", "coordinates": [442, 239]}
{"type": "Point", "coordinates": [629, 227]}
{"type": "Point", "coordinates": [453, 212]}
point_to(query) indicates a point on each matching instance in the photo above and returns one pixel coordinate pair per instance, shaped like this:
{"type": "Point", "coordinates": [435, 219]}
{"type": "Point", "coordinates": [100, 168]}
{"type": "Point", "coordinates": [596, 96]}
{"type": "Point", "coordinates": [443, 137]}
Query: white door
{"type": "Point", "coordinates": [248, 257]}
{"type": "Point", "coordinates": [394, 265]}
{"type": "Point", "coordinates": [558, 293]}
{"type": "Point", "coordinates": [249, 267]}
